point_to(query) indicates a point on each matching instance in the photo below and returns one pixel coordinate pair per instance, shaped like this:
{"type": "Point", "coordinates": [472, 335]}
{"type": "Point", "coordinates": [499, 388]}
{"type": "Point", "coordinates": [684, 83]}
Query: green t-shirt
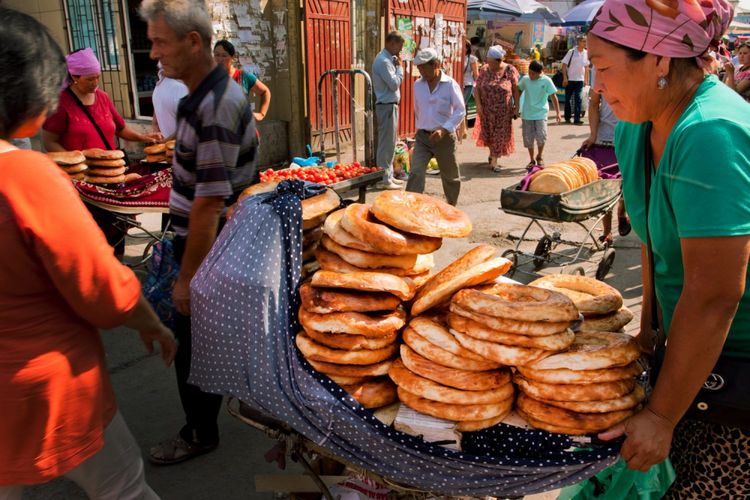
{"type": "Point", "coordinates": [535, 97]}
{"type": "Point", "coordinates": [701, 189]}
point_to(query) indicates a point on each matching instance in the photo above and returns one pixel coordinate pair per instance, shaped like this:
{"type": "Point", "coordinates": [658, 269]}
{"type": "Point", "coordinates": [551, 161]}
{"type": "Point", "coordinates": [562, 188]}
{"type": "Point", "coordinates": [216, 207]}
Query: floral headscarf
{"type": "Point", "coordinates": [670, 28]}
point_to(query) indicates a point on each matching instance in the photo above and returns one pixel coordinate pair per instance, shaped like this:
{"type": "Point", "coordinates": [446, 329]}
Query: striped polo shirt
{"type": "Point", "coordinates": [215, 147]}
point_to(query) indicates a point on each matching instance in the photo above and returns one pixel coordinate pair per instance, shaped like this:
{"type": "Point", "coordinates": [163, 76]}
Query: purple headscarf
{"type": "Point", "coordinates": [670, 28]}
{"type": "Point", "coordinates": [83, 62]}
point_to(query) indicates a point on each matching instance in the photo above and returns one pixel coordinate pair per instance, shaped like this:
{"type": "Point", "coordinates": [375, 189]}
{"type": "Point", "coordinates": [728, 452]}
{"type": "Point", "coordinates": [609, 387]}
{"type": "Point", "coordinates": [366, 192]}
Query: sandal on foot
{"type": "Point", "coordinates": [530, 165]}
{"type": "Point", "coordinates": [623, 226]}
{"type": "Point", "coordinates": [607, 240]}
{"type": "Point", "coordinates": [539, 161]}
{"type": "Point", "coordinates": [176, 450]}
{"type": "Point", "coordinates": [497, 168]}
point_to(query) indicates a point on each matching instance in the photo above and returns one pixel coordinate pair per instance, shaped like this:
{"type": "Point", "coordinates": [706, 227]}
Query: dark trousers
{"type": "Point", "coordinates": [573, 101]}
{"type": "Point", "coordinates": [201, 408]}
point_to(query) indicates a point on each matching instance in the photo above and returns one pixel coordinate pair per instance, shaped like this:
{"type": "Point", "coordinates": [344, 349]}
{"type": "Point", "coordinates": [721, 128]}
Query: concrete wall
{"type": "Point", "coordinates": [49, 12]}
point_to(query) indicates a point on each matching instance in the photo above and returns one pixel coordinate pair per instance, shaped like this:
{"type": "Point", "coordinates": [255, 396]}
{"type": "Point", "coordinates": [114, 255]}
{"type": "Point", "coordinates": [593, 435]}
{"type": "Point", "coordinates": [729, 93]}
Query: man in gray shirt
{"type": "Point", "coordinates": [387, 75]}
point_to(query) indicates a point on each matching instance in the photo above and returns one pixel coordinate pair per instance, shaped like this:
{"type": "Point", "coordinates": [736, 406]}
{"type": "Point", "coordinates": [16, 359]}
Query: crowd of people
{"type": "Point", "coordinates": [656, 105]}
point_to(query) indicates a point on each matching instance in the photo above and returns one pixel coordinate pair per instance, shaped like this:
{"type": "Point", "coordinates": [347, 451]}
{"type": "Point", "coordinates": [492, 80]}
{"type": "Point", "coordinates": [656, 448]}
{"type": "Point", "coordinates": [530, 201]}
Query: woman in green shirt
{"type": "Point", "coordinates": [224, 53]}
{"type": "Point", "coordinates": [649, 56]}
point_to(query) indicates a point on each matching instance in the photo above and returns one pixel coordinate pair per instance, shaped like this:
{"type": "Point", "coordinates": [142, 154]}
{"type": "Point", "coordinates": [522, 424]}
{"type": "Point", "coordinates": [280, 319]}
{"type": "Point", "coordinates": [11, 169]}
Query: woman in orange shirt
{"type": "Point", "coordinates": [59, 283]}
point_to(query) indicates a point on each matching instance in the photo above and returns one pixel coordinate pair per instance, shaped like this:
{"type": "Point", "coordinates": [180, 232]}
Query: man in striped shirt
{"type": "Point", "coordinates": [214, 161]}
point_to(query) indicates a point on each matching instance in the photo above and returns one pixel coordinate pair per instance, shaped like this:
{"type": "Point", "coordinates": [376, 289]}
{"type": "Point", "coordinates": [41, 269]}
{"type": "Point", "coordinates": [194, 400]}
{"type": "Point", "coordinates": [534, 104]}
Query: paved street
{"type": "Point", "coordinates": [147, 393]}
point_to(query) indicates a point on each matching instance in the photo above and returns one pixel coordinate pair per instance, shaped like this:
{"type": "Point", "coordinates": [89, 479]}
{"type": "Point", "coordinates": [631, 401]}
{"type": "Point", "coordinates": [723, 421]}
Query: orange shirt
{"type": "Point", "coordinates": [59, 282]}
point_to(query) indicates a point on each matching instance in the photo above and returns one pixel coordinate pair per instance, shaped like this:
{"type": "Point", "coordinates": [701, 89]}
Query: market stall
{"type": "Point", "coordinates": [452, 383]}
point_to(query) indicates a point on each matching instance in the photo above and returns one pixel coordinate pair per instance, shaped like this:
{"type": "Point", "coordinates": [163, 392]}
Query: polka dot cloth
{"type": "Point", "coordinates": [245, 302]}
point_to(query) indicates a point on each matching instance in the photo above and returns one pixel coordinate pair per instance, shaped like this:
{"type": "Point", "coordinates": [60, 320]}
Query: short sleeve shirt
{"type": "Point", "coordinates": [245, 79]}
{"type": "Point", "coordinates": [577, 63]}
{"type": "Point", "coordinates": [76, 130]}
{"type": "Point", "coordinates": [700, 189]}
{"type": "Point", "coordinates": [535, 97]}
{"type": "Point", "coordinates": [215, 147]}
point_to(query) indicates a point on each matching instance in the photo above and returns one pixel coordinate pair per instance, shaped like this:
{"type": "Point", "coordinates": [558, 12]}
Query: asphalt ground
{"type": "Point", "coordinates": [147, 393]}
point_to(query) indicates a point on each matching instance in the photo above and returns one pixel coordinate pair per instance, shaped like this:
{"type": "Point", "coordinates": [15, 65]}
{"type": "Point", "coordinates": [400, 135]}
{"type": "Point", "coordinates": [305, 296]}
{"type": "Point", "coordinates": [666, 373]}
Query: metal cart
{"type": "Point", "coordinates": [585, 207]}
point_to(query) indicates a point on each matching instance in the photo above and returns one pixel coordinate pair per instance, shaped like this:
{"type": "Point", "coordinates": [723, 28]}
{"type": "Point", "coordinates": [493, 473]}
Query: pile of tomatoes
{"type": "Point", "coordinates": [320, 175]}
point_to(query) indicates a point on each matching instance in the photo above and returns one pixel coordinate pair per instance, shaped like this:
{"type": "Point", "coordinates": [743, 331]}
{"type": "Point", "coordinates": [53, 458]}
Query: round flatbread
{"type": "Point", "coordinates": [575, 392]}
{"type": "Point", "coordinates": [478, 425]}
{"type": "Point", "coordinates": [155, 149]}
{"type": "Point", "coordinates": [131, 177]}
{"type": "Point", "coordinates": [589, 295]}
{"type": "Point", "coordinates": [366, 259]}
{"type": "Point", "coordinates": [454, 412]}
{"type": "Point", "coordinates": [359, 222]}
{"type": "Point", "coordinates": [351, 342]}
{"type": "Point", "coordinates": [311, 236]}
{"type": "Point", "coordinates": [626, 402]}
{"type": "Point", "coordinates": [530, 328]}
{"type": "Point", "coordinates": [103, 154]}
{"type": "Point", "coordinates": [75, 169]}
{"type": "Point", "coordinates": [420, 214]}
{"type": "Point", "coordinates": [589, 422]}
{"type": "Point", "coordinates": [437, 334]}
{"type": "Point", "coordinates": [428, 350]}
{"type": "Point", "coordinates": [517, 302]}
{"type": "Point", "coordinates": [333, 228]}
{"type": "Point", "coordinates": [318, 352]}
{"type": "Point", "coordinates": [453, 377]}
{"type": "Point", "coordinates": [107, 172]}
{"type": "Point", "coordinates": [79, 176]}
{"type": "Point", "coordinates": [365, 282]}
{"type": "Point", "coordinates": [373, 394]}
{"type": "Point", "coordinates": [324, 300]}
{"type": "Point", "coordinates": [160, 158]}
{"type": "Point", "coordinates": [499, 353]}
{"type": "Point", "coordinates": [612, 322]}
{"type": "Point", "coordinates": [557, 429]}
{"type": "Point", "coordinates": [67, 157]}
{"type": "Point", "coordinates": [566, 376]}
{"type": "Point", "coordinates": [332, 262]}
{"type": "Point", "coordinates": [374, 370]}
{"type": "Point", "coordinates": [341, 380]}
{"type": "Point", "coordinates": [555, 342]}
{"type": "Point", "coordinates": [106, 163]}
{"type": "Point", "coordinates": [444, 289]}
{"type": "Point", "coordinates": [353, 323]}
{"type": "Point", "coordinates": [104, 180]}
{"type": "Point", "coordinates": [593, 351]}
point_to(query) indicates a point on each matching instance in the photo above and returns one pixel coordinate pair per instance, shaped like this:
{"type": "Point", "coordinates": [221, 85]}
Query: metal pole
{"type": "Point", "coordinates": [336, 116]}
{"type": "Point", "coordinates": [353, 102]}
{"type": "Point", "coordinates": [321, 131]}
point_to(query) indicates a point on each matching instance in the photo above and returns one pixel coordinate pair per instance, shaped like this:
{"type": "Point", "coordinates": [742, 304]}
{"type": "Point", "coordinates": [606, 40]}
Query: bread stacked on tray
{"type": "Point", "coordinates": [584, 390]}
{"type": "Point", "coordinates": [105, 167]}
{"type": "Point", "coordinates": [156, 153]}
{"type": "Point", "coordinates": [512, 324]}
{"type": "Point", "coordinates": [170, 149]}
{"type": "Point", "coordinates": [600, 304]}
{"type": "Point", "coordinates": [72, 162]}
{"type": "Point", "coordinates": [372, 260]}
{"type": "Point", "coordinates": [564, 176]}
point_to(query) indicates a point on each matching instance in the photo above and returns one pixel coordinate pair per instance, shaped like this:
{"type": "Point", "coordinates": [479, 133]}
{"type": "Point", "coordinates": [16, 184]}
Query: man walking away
{"type": "Point", "coordinates": [387, 75]}
{"type": "Point", "coordinates": [439, 110]}
{"type": "Point", "coordinates": [575, 77]}
{"type": "Point", "coordinates": [214, 161]}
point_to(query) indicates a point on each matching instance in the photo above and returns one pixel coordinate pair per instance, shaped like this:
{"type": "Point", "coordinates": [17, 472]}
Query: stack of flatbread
{"type": "Point", "coordinates": [564, 176]}
{"type": "Point", "coordinates": [106, 167]}
{"type": "Point", "coordinates": [512, 324]}
{"type": "Point", "coordinates": [437, 376]}
{"type": "Point", "coordinates": [72, 162]}
{"type": "Point", "coordinates": [156, 153]}
{"type": "Point", "coordinates": [586, 389]}
{"type": "Point", "coordinates": [170, 149]}
{"type": "Point", "coordinates": [600, 304]}
{"type": "Point", "coordinates": [351, 323]}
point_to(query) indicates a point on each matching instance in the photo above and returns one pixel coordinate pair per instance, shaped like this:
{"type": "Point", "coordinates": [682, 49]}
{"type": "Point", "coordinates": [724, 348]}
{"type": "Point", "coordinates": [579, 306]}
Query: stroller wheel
{"type": "Point", "coordinates": [579, 270]}
{"type": "Point", "coordinates": [542, 252]}
{"type": "Point", "coordinates": [512, 256]}
{"type": "Point", "coordinates": [605, 264]}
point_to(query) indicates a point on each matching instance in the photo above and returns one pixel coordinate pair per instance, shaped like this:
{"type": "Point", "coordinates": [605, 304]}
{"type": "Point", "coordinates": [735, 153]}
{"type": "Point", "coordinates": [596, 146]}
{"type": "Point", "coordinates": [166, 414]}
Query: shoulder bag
{"type": "Point", "coordinates": [724, 397]}
{"type": "Point", "coordinates": [103, 137]}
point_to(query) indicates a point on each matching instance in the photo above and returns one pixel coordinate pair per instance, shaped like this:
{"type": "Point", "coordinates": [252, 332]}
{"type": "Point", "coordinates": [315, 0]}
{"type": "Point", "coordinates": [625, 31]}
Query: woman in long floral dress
{"type": "Point", "coordinates": [496, 91]}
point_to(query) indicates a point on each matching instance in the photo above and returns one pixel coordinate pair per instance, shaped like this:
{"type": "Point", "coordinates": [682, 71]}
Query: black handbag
{"type": "Point", "coordinates": [96, 125]}
{"type": "Point", "coordinates": [724, 397]}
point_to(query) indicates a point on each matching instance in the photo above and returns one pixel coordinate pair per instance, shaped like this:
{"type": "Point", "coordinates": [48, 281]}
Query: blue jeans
{"type": "Point", "coordinates": [573, 100]}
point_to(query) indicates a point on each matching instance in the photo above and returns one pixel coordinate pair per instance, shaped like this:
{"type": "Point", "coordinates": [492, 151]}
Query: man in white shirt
{"type": "Point", "coordinates": [387, 75]}
{"type": "Point", "coordinates": [439, 110]}
{"type": "Point", "coordinates": [165, 98]}
{"type": "Point", "coordinates": [575, 77]}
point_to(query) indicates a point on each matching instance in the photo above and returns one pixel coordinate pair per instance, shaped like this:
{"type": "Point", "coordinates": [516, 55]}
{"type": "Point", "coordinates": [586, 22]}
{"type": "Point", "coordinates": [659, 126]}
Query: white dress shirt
{"type": "Point", "coordinates": [577, 63]}
{"type": "Point", "coordinates": [165, 98]}
{"type": "Point", "coordinates": [441, 108]}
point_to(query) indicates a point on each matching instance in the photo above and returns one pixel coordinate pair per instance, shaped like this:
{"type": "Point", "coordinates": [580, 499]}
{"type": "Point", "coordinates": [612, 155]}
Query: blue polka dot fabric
{"type": "Point", "coordinates": [245, 301]}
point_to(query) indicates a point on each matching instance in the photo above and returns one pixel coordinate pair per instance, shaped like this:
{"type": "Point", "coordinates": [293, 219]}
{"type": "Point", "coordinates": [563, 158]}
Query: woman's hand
{"type": "Point", "coordinates": [588, 142]}
{"type": "Point", "coordinates": [648, 438]}
{"type": "Point", "coordinates": [259, 116]}
{"type": "Point", "coordinates": [152, 138]}
{"type": "Point", "coordinates": [166, 340]}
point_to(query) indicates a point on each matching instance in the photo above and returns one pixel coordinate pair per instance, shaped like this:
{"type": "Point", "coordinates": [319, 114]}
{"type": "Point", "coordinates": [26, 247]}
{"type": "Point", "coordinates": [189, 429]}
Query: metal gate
{"type": "Point", "coordinates": [443, 23]}
{"type": "Point", "coordinates": [328, 46]}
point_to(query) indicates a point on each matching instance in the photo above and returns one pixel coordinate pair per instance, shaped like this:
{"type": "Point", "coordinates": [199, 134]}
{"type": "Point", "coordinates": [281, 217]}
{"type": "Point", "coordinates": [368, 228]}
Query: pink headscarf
{"type": "Point", "coordinates": [83, 62]}
{"type": "Point", "coordinates": [670, 28]}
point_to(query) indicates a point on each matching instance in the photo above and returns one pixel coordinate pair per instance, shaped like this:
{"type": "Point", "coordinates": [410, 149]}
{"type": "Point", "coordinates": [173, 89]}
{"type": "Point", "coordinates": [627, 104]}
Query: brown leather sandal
{"type": "Point", "coordinates": [176, 450]}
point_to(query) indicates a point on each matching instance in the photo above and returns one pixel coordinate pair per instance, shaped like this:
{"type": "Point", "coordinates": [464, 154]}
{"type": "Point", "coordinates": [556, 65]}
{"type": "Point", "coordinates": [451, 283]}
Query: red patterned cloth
{"type": "Point", "coordinates": [145, 194]}
{"type": "Point", "coordinates": [494, 125]}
